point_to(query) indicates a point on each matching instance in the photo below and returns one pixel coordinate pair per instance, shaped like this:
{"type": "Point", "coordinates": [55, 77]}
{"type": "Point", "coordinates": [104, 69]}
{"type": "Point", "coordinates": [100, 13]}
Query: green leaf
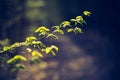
{"type": "Point", "coordinates": [50, 49]}
{"type": "Point", "coordinates": [20, 57]}
{"type": "Point", "coordinates": [20, 66]}
{"type": "Point", "coordinates": [58, 31]}
{"type": "Point", "coordinates": [15, 45]}
{"type": "Point", "coordinates": [54, 47]}
{"type": "Point", "coordinates": [16, 58]}
{"type": "Point", "coordinates": [38, 44]}
{"type": "Point", "coordinates": [5, 48]}
{"type": "Point", "coordinates": [31, 38]}
{"type": "Point", "coordinates": [53, 53]}
{"type": "Point", "coordinates": [29, 50]}
{"type": "Point", "coordinates": [36, 53]}
{"type": "Point", "coordinates": [65, 24]}
{"type": "Point", "coordinates": [42, 29]}
{"type": "Point", "coordinates": [87, 13]}
{"type": "Point", "coordinates": [56, 27]}
{"type": "Point", "coordinates": [69, 30]}
{"type": "Point", "coordinates": [41, 45]}
{"type": "Point", "coordinates": [78, 30]}
{"type": "Point", "coordinates": [10, 61]}
{"type": "Point", "coordinates": [52, 36]}
{"type": "Point", "coordinates": [43, 33]}
{"type": "Point", "coordinates": [80, 20]}
{"type": "Point", "coordinates": [73, 20]}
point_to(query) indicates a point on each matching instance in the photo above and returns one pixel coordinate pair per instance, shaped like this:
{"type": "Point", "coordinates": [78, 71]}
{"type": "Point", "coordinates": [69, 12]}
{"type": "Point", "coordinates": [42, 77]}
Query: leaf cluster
{"type": "Point", "coordinates": [35, 41]}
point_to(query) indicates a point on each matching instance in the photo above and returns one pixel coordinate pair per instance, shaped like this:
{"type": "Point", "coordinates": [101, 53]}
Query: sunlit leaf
{"type": "Point", "coordinates": [29, 39]}
{"type": "Point", "coordinates": [15, 45]}
{"type": "Point", "coordinates": [10, 61]}
{"type": "Point", "coordinates": [78, 30]}
{"type": "Point", "coordinates": [38, 44]}
{"type": "Point", "coordinates": [20, 57]}
{"type": "Point", "coordinates": [42, 33]}
{"type": "Point", "coordinates": [42, 29]}
{"type": "Point", "coordinates": [5, 48]}
{"type": "Point", "coordinates": [53, 53]}
{"type": "Point", "coordinates": [16, 58]}
{"type": "Point", "coordinates": [65, 23]}
{"type": "Point", "coordinates": [80, 20]}
{"type": "Point", "coordinates": [54, 47]}
{"type": "Point", "coordinates": [35, 43]}
{"type": "Point", "coordinates": [48, 49]}
{"type": "Point", "coordinates": [52, 36]}
{"type": "Point", "coordinates": [29, 50]}
{"type": "Point", "coordinates": [36, 53]}
{"type": "Point", "coordinates": [69, 30]}
{"type": "Point", "coordinates": [56, 27]}
{"type": "Point", "coordinates": [87, 13]}
{"type": "Point", "coordinates": [58, 31]}
{"type": "Point", "coordinates": [73, 20]}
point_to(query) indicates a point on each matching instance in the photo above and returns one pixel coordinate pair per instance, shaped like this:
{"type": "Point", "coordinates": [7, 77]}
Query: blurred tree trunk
{"type": "Point", "coordinates": [11, 27]}
{"type": "Point", "coordinates": [12, 21]}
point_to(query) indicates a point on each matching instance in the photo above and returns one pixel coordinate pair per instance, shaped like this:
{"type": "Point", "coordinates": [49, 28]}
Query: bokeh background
{"type": "Point", "coordinates": [93, 55]}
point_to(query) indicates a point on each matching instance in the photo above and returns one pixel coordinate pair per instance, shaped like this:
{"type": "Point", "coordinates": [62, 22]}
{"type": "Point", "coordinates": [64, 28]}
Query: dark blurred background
{"type": "Point", "coordinates": [93, 55]}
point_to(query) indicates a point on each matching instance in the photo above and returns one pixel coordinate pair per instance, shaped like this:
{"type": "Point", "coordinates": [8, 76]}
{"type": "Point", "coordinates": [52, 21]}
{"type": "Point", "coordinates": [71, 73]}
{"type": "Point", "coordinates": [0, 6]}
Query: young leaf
{"type": "Point", "coordinates": [39, 44]}
{"type": "Point", "coordinates": [43, 33]}
{"type": "Point", "coordinates": [73, 20]}
{"type": "Point", "coordinates": [50, 49]}
{"type": "Point", "coordinates": [29, 50]}
{"type": "Point", "coordinates": [10, 61]}
{"type": "Point", "coordinates": [31, 38]}
{"type": "Point", "coordinates": [53, 53]}
{"type": "Point", "coordinates": [47, 50]}
{"type": "Point", "coordinates": [77, 30]}
{"type": "Point", "coordinates": [80, 20]}
{"type": "Point", "coordinates": [87, 13]}
{"type": "Point", "coordinates": [69, 30]}
{"type": "Point", "coordinates": [56, 27]}
{"type": "Point", "coordinates": [5, 48]}
{"type": "Point", "coordinates": [20, 57]}
{"type": "Point", "coordinates": [52, 36]}
{"type": "Point", "coordinates": [65, 23]}
{"type": "Point", "coordinates": [54, 47]}
{"type": "Point", "coordinates": [16, 58]}
{"type": "Point", "coordinates": [42, 29]}
{"type": "Point", "coordinates": [36, 53]}
{"type": "Point", "coordinates": [58, 31]}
